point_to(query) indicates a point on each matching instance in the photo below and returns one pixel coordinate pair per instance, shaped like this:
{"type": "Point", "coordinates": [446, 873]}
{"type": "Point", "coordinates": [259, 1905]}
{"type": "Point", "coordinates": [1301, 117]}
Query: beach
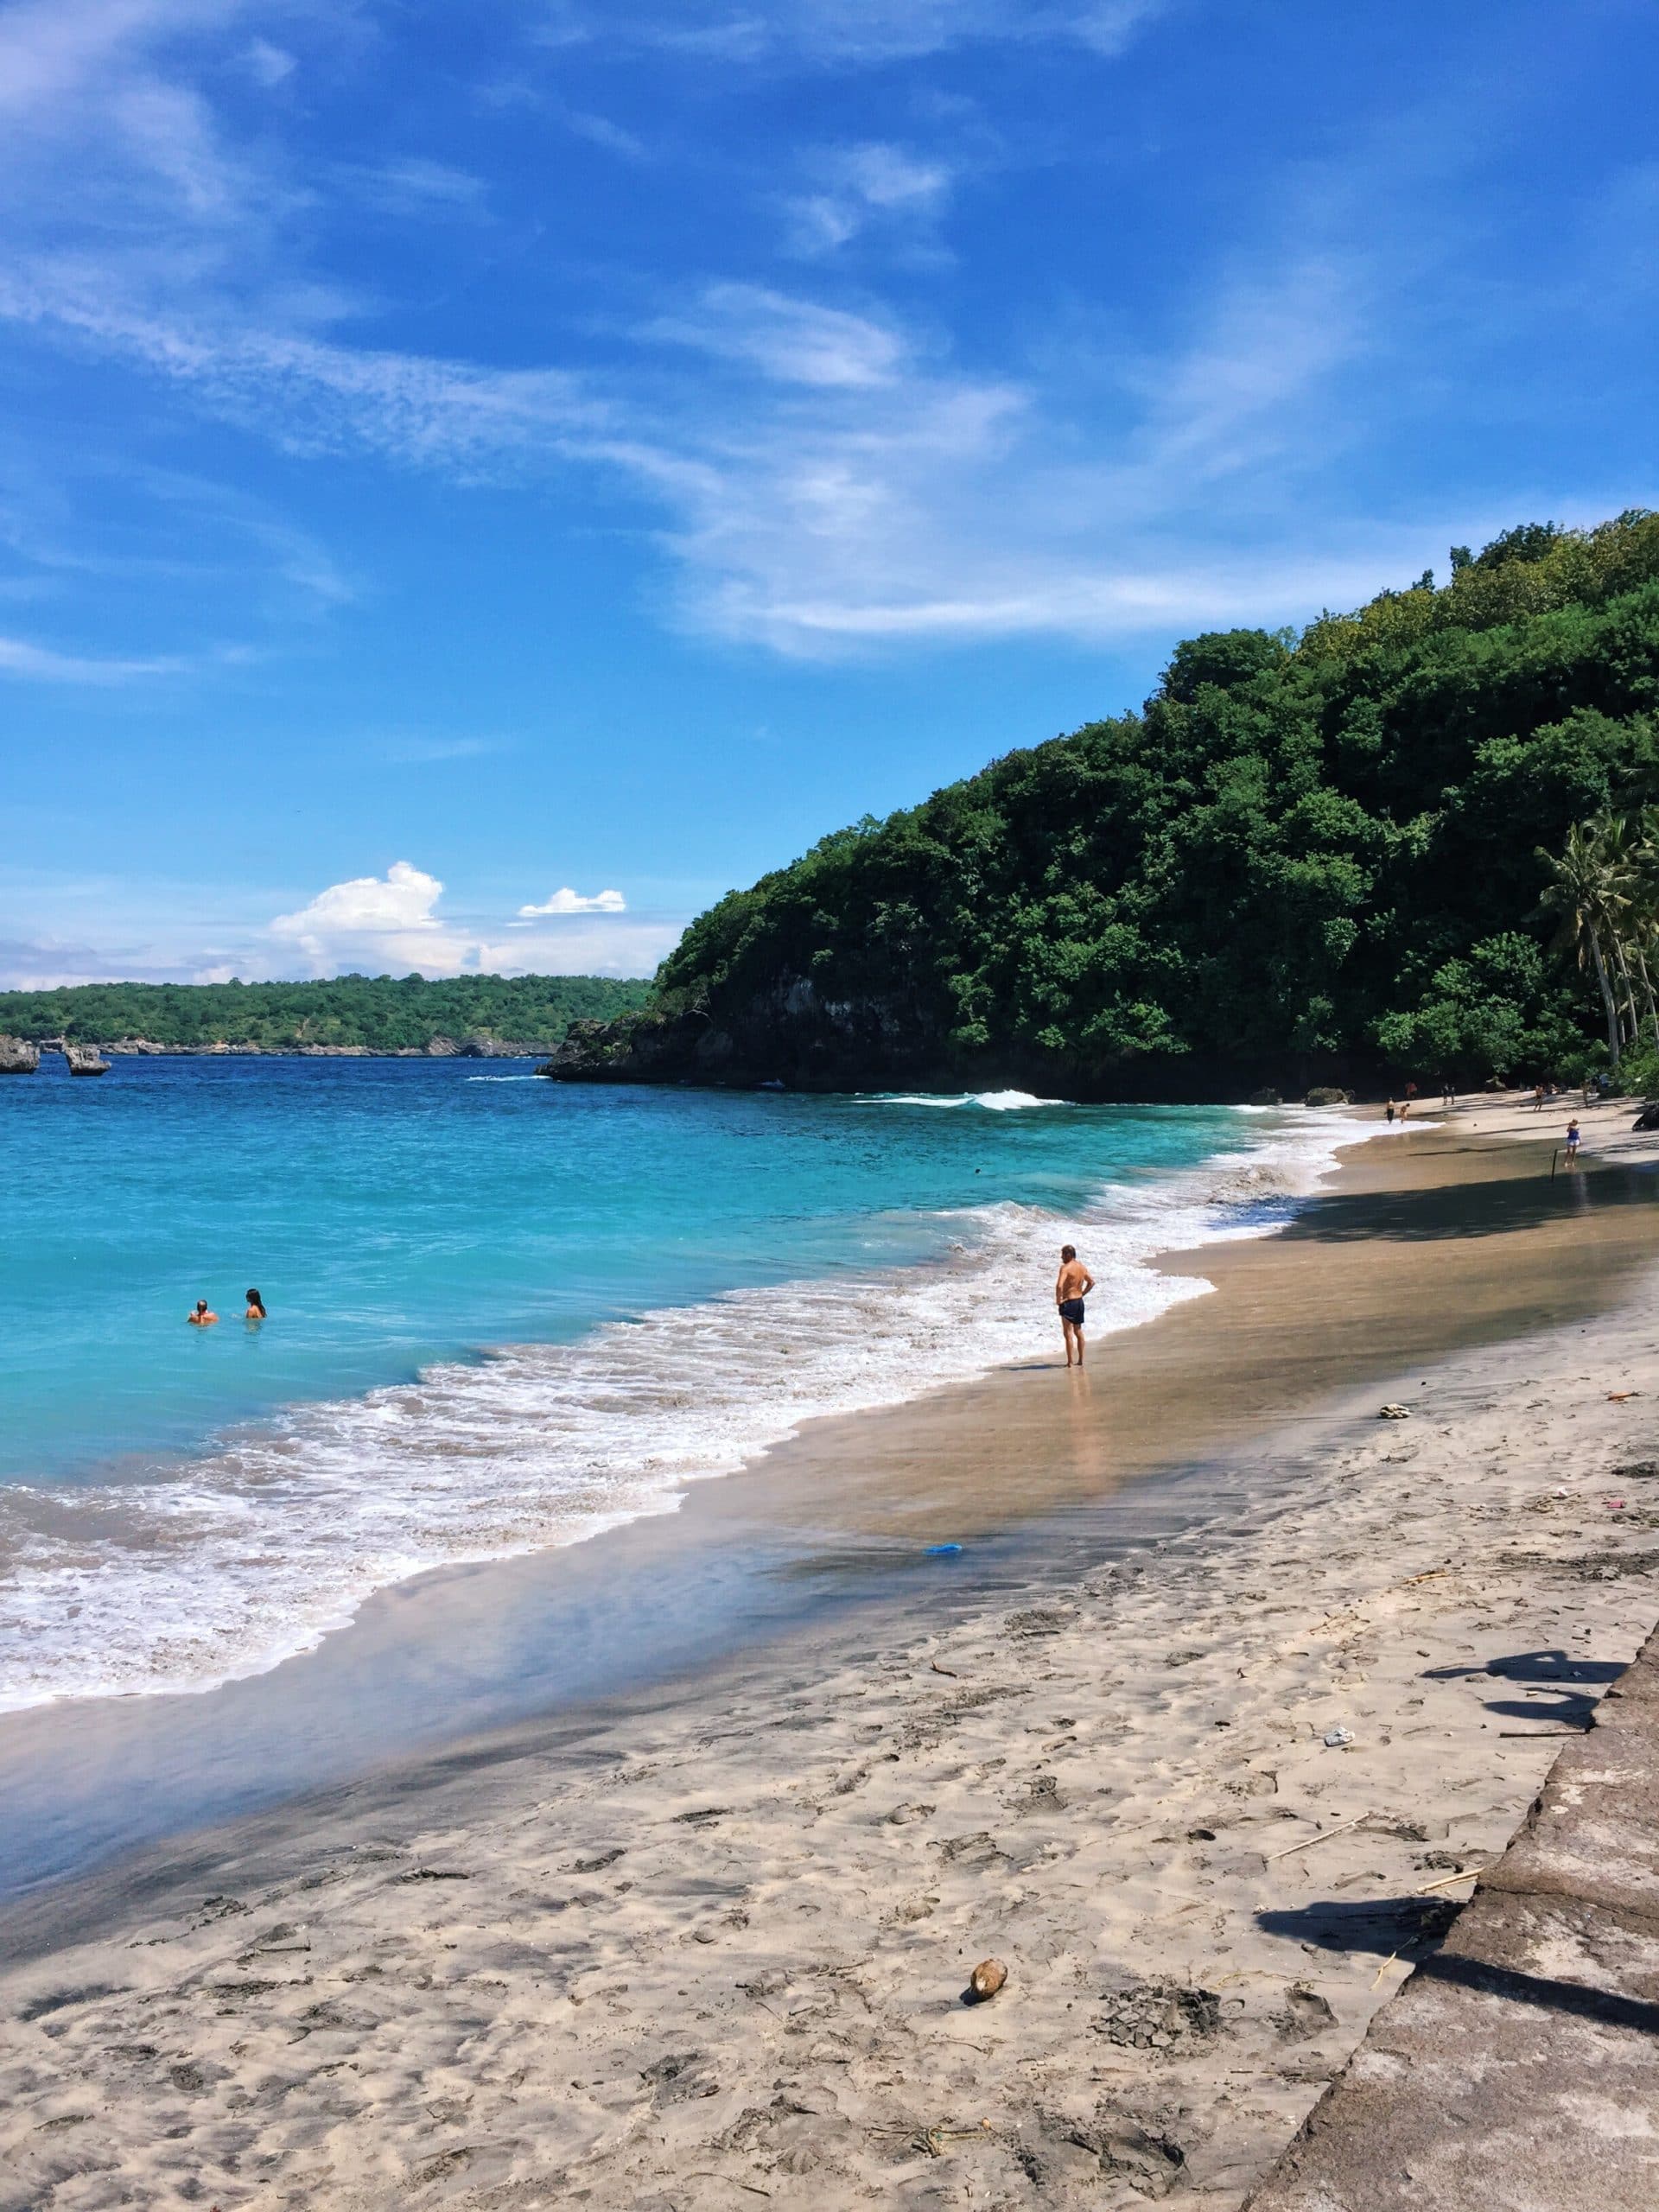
{"type": "Point", "coordinates": [1206, 1788]}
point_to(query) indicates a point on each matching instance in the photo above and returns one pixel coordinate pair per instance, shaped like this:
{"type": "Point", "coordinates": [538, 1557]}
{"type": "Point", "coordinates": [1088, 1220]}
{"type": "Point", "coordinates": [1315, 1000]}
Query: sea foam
{"type": "Point", "coordinates": [223, 1565]}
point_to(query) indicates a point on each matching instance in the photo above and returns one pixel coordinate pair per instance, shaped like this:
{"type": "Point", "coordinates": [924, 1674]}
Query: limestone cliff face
{"type": "Point", "coordinates": [17, 1058]}
{"type": "Point", "coordinates": [792, 1036]}
{"type": "Point", "coordinates": [789, 1033]}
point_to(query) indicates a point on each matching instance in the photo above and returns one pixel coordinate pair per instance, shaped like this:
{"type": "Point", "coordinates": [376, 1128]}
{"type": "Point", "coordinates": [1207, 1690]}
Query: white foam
{"type": "Point", "coordinates": [257, 1550]}
{"type": "Point", "coordinates": [994, 1102]}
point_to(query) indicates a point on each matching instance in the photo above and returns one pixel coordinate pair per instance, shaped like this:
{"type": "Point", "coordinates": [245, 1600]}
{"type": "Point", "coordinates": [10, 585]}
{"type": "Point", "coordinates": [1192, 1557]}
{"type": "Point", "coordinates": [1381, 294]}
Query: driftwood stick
{"type": "Point", "coordinates": [1451, 1881]}
{"type": "Point", "coordinates": [1324, 1836]}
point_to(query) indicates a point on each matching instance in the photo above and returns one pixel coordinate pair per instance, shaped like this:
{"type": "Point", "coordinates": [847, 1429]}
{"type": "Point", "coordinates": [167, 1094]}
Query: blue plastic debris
{"type": "Point", "coordinates": [942, 1551]}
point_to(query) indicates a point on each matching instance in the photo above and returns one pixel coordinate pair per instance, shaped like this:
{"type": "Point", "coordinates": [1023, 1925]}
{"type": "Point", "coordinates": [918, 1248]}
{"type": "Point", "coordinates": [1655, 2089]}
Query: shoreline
{"type": "Point", "coordinates": [714, 1939]}
{"type": "Point", "coordinates": [709, 1934]}
{"type": "Point", "coordinates": [838, 1517]}
{"type": "Point", "coordinates": [862, 1335]}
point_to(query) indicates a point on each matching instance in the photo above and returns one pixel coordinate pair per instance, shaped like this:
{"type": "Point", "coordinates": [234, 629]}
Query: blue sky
{"type": "Point", "coordinates": [461, 461]}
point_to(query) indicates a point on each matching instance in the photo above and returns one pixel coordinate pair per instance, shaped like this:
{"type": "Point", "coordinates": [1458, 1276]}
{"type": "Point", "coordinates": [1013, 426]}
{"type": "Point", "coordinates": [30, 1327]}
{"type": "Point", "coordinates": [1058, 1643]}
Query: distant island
{"type": "Point", "coordinates": [1408, 842]}
{"type": "Point", "coordinates": [347, 1013]}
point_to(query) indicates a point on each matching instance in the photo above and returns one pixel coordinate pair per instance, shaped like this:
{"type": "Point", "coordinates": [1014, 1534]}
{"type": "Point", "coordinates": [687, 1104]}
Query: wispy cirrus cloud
{"type": "Point", "coordinates": [95, 75]}
{"type": "Point", "coordinates": [838, 485]}
{"type": "Point", "coordinates": [423, 752]}
{"type": "Point", "coordinates": [268, 64]}
{"type": "Point", "coordinates": [786, 341]}
{"type": "Point", "coordinates": [827, 472]}
{"type": "Point", "coordinates": [855, 187]}
{"type": "Point", "coordinates": [850, 32]}
{"type": "Point", "coordinates": [50, 50]}
{"type": "Point", "coordinates": [416, 186]}
{"type": "Point", "coordinates": [310, 394]}
{"type": "Point", "coordinates": [37, 663]}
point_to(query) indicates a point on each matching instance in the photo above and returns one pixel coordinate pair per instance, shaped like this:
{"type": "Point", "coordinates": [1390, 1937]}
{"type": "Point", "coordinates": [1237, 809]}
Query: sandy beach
{"type": "Point", "coordinates": [1206, 1799]}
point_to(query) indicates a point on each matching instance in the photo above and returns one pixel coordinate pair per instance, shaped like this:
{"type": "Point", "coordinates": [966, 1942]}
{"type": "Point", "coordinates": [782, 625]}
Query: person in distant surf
{"type": "Point", "coordinates": [1391, 1109]}
{"type": "Point", "coordinates": [1071, 1285]}
{"type": "Point", "coordinates": [256, 1307]}
{"type": "Point", "coordinates": [203, 1318]}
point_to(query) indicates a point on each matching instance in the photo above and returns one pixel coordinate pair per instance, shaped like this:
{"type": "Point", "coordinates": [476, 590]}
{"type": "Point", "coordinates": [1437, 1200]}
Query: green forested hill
{"type": "Point", "coordinates": [1303, 854]}
{"type": "Point", "coordinates": [381, 1013]}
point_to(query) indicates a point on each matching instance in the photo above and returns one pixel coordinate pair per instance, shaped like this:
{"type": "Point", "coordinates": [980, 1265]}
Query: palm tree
{"type": "Point", "coordinates": [1580, 891]}
{"type": "Point", "coordinates": [1618, 839]}
{"type": "Point", "coordinates": [1644, 903]}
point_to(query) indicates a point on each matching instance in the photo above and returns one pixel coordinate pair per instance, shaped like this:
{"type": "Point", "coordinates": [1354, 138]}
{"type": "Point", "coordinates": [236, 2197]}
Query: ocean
{"type": "Point", "coordinates": [504, 1314]}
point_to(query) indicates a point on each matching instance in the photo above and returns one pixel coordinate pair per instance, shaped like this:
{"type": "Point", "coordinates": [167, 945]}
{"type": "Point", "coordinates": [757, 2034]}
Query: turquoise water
{"type": "Point", "coordinates": [503, 1312]}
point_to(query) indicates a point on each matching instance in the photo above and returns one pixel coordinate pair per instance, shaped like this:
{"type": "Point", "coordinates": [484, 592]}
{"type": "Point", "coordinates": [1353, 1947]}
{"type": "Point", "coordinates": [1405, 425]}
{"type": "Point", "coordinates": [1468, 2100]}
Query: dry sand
{"type": "Point", "coordinates": [714, 1951]}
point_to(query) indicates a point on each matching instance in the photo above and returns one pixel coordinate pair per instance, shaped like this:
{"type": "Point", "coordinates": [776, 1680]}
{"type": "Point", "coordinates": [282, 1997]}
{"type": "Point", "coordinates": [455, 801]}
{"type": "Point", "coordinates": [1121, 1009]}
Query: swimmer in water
{"type": "Point", "coordinates": [256, 1307]}
{"type": "Point", "coordinates": [201, 1318]}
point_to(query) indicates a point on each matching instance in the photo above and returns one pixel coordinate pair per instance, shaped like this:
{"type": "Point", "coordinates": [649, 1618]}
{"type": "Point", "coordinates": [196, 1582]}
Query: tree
{"type": "Point", "coordinates": [1580, 893]}
{"type": "Point", "coordinates": [1296, 849]}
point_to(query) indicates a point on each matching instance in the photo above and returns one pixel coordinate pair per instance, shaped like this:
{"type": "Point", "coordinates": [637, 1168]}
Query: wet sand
{"type": "Point", "coordinates": [705, 1942]}
{"type": "Point", "coordinates": [1454, 1235]}
{"type": "Point", "coordinates": [1447, 1237]}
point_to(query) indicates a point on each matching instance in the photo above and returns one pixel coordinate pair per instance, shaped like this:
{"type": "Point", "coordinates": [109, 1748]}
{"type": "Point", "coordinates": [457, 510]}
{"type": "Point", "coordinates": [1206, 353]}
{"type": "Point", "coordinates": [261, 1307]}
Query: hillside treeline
{"type": "Point", "coordinates": [382, 1013]}
{"type": "Point", "coordinates": [1301, 852]}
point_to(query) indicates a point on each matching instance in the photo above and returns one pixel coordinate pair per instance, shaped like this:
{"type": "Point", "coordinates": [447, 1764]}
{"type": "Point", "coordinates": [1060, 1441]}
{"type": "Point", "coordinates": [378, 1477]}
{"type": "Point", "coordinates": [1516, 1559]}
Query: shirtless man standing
{"type": "Point", "coordinates": [1071, 1285]}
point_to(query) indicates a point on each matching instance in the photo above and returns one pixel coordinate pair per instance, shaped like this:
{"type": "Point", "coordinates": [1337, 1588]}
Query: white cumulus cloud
{"type": "Point", "coordinates": [390, 924]}
{"type": "Point", "coordinates": [567, 902]}
{"type": "Point", "coordinates": [386, 922]}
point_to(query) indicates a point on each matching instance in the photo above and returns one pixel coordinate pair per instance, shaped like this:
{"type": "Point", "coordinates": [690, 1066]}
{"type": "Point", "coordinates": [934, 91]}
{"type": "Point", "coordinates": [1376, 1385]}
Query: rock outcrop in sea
{"type": "Point", "coordinates": [17, 1057]}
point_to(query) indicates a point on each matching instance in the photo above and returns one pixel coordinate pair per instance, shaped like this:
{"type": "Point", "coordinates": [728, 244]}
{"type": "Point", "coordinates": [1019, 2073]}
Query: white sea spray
{"type": "Point", "coordinates": [255, 1551]}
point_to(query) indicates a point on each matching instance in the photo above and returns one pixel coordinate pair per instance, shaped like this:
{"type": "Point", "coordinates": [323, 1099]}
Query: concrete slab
{"type": "Point", "coordinates": [1518, 2070]}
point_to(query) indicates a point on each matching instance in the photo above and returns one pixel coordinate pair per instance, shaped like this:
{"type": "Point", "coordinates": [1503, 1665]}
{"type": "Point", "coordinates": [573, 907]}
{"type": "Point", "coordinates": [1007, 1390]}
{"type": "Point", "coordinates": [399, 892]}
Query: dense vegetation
{"type": "Point", "coordinates": [382, 1012]}
{"type": "Point", "coordinates": [1603, 889]}
{"type": "Point", "coordinates": [1303, 854]}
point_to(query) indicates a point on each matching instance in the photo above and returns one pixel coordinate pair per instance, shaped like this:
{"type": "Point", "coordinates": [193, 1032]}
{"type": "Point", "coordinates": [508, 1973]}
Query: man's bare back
{"type": "Point", "coordinates": [1072, 1287]}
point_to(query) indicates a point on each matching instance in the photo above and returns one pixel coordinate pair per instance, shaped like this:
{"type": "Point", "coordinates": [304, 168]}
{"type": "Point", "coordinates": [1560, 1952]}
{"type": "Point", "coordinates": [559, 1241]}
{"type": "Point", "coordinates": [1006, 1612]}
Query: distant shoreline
{"type": "Point", "coordinates": [441, 1048]}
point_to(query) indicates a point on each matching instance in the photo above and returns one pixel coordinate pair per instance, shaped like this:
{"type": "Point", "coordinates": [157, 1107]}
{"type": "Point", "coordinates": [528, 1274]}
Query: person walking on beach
{"type": "Point", "coordinates": [1071, 1285]}
{"type": "Point", "coordinates": [1574, 1139]}
{"type": "Point", "coordinates": [201, 1318]}
{"type": "Point", "coordinates": [1390, 1110]}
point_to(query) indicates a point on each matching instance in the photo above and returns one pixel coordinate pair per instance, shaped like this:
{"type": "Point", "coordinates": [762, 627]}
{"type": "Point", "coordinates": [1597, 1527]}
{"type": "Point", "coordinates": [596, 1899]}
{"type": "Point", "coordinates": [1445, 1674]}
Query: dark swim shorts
{"type": "Point", "coordinates": [1071, 1310]}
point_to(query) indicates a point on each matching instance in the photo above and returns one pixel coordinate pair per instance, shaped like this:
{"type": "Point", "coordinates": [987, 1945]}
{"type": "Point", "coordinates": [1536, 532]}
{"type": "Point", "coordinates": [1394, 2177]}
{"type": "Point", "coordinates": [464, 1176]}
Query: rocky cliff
{"type": "Point", "coordinates": [17, 1058]}
{"type": "Point", "coordinates": [789, 1033]}
{"type": "Point", "coordinates": [792, 1036]}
